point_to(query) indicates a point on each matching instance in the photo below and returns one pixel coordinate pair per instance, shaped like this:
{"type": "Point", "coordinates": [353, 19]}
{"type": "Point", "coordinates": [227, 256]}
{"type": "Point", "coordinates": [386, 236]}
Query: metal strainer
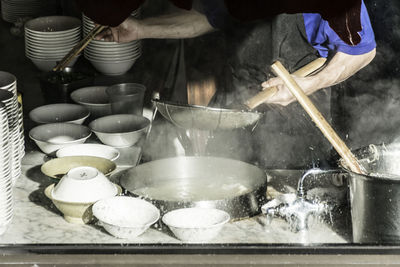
{"type": "Point", "coordinates": [205, 118]}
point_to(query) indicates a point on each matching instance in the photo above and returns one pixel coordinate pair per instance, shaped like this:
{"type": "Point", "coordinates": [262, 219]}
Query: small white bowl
{"type": "Point", "coordinates": [53, 136]}
{"type": "Point", "coordinates": [61, 112]}
{"type": "Point", "coordinates": [83, 185]}
{"type": "Point", "coordinates": [196, 224]}
{"type": "Point", "coordinates": [47, 64]}
{"type": "Point", "coordinates": [112, 68]}
{"type": "Point", "coordinates": [120, 130]}
{"type": "Point", "coordinates": [53, 25]}
{"type": "Point", "coordinates": [95, 99]}
{"type": "Point", "coordinates": [125, 217]}
{"type": "Point", "coordinates": [96, 150]}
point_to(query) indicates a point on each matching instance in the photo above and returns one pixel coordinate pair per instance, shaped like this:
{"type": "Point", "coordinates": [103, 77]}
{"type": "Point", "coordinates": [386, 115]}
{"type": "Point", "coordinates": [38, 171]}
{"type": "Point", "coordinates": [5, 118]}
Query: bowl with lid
{"type": "Point", "coordinates": [78, 190]}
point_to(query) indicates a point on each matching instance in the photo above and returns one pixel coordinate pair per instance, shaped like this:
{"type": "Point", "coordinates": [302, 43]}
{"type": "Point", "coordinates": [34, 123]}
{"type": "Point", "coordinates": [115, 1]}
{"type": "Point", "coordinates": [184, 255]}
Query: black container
{"type": "Point", "coordinates": [57, 86]}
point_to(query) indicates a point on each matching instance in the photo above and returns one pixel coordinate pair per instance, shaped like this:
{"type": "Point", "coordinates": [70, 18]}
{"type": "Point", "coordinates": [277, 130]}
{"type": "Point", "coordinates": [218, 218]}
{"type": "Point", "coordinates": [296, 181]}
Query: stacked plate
{"type": "Point", "coordinates": [111, 58]}
{"type": "Point", "coordinates": [12, 10]}
{"type": "Point", "coordinates": [8, 96]}
{"type": "Point", "coordinates": [49, 39]}
{"type": "Point", "coordinates": [6, 197]}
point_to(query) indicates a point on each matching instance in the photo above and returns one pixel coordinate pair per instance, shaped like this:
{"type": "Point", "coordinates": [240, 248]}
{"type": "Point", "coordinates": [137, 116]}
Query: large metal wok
{"type": "Point", "coordinates": [205, 118]}
{"type": "Point", "coordinates": [231, 185]}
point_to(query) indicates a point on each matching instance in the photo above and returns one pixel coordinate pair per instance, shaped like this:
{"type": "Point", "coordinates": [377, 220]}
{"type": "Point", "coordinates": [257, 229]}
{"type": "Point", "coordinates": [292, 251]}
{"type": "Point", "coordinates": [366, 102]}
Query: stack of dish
{"type": "Point", "coordinates": [6, 198]}
{"type": "Point", "coordinates": [11, 10]}
{"type": "Point", "coordinates": [9, 82]}
{"type": "Point", "coordinates": [111, 58]}
{"type": "Point", "coordinates": [49, 39]}
{"type": "Point", "coordinates": [8, 95]}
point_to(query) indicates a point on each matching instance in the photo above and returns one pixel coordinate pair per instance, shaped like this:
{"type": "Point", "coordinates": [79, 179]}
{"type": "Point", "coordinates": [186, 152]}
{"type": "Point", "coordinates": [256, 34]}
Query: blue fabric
{"type": "Point", "coordinates": [324, 39]}
{"type": "Point", "coordinates": [216, 13]}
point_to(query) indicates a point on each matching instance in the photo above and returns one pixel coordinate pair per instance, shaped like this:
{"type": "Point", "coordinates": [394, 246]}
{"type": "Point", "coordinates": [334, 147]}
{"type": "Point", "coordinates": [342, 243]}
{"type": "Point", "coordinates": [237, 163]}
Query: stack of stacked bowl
{"type": "Point", "coordinates": [49, 39]}
{"type": "Point", "coordinates": [6, 197]}
{"type": "Point", "coordinates": [111, 58]}
{"type": "Point", "coordinates": [8, 96]}
{"type": "Point", "coordinates": [12, 10]}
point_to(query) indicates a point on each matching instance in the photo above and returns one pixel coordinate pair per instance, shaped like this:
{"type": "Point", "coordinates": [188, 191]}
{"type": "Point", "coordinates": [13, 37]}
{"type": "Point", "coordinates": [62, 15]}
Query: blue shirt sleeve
{"type": "Point", "coordinates": [324, 39]}
{"type": "Point", "coordinates": [216, 13]}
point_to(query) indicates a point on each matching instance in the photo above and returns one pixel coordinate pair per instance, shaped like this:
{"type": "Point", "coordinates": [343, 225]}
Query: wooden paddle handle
{"type": "Point", "coordinates": [304, 71]}
{"type": "Point", "coordinates": [78, 48]}
{"type": "Point", "coordinates": [260, 98]}
{"type": "Point", "coordinates": [317, 117]}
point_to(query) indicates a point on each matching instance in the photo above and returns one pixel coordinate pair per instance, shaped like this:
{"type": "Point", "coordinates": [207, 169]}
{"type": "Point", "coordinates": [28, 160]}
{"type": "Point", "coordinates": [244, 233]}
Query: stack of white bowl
{"type": "Point", "coordinates": [49, 39]}
{"type": "Point", "coordinates": [111, 58]}
{"type": "Point", "coordinates": [8, 96]}
{"type": "Point", "coordinates": [11, 10]}
{"type": "Point", "coordinates": [6, 197]}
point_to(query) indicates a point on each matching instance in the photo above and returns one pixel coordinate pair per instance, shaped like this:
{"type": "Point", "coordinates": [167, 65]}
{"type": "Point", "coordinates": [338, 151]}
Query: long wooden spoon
{"type": "Point", "coordinates": [318, 118]}
{"type": "Point", "coordinates": [304, 71]}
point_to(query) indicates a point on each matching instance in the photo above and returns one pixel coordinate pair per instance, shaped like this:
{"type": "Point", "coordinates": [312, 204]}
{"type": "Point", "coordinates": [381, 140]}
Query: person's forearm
{"type": "Point", "coordinates": [184, 24]}
{"type": "Point", "coordinates": [340, 67]}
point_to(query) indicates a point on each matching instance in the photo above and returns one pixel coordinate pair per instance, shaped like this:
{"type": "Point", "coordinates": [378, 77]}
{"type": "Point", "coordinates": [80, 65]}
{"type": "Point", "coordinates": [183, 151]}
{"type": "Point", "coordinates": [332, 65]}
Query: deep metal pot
{"type": "Point", "coordinates": [375, 198]}
{"type": "Point", "coordinates": [231, 185]}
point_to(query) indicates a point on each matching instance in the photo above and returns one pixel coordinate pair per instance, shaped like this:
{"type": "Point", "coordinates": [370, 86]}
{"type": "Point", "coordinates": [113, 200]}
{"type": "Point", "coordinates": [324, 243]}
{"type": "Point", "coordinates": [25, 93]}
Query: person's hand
{"type": "Point", "coordinates": [283, 96]}
{"type": "Point", "coordinates": [125, 32]}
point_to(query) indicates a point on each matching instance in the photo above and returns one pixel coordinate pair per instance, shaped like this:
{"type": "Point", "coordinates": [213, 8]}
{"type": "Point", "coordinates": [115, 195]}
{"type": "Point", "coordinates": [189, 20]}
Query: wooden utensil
{"type": "Point", "coordinates": [306, 70]}
{"type": "Point", "coordinates": [200, 93]}
{"type": "Point", "coordinates": [78, 48]}
{"type": "Point", "coordinates": [318, 118]}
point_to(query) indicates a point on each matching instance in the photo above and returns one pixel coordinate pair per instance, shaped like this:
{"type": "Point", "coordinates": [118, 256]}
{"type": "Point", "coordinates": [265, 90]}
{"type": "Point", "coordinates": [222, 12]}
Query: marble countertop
{"type": "Point", "coordinates": [37, 221]}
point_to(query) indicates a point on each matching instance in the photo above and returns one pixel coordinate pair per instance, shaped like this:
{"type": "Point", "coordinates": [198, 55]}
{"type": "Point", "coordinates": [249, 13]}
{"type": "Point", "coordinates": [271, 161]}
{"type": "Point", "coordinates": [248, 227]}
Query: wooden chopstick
{"type": "Point", "coordinates": [78, 48]}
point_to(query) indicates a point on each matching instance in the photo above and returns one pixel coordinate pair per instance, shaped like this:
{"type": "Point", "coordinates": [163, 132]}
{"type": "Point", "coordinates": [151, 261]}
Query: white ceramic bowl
{"type": "Point", "coordinates": [95, 150]}
{"type": "Point", "coordinates": [99, 43]}
{"type": "Point", "coordinates": [95, 99]}
{"type": "Point", "coordinates": [48, 64]}
{"type": "Point", "coordinates": [83, 184]}
{"type": "Point", "coordinates": [111, 50]}
{"type": "Point", "coordinates": [48, 54]}
{"type": "Point", "coordinates": [121, 130]}
{"type": "Point", "coordinates": [52, 43]}
{"type": "Point", "coordinates": [51, 25]}
{"type": "Point", "coordinates": [51, 137]}
{"type": "Point", "coordinates": [112, 68]}
{"type": "Point", "coordinates": [113, 57]}
{"type": "Point", "coordinates": [196, 224]}
{"type": "Point", "coordinates": [61, 112]}
{"type": "Point", "coordinates": [125, 217]}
